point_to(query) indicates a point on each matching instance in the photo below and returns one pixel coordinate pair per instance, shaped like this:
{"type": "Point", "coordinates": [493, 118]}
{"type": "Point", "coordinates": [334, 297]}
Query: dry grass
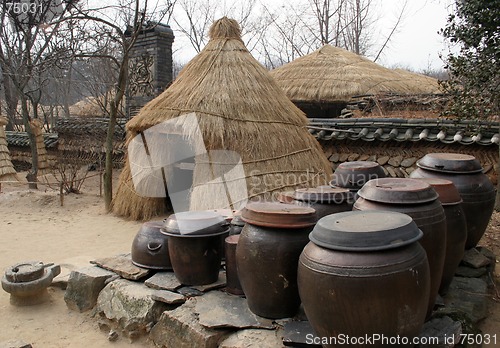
{"type": "Point", "coordinates": [332, 75]}
{"type": "Point", "coordinates": [238, 107]}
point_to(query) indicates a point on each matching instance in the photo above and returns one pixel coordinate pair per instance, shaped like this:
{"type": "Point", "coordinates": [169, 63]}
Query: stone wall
{"type": "Point", "coordinates": [399, 158]}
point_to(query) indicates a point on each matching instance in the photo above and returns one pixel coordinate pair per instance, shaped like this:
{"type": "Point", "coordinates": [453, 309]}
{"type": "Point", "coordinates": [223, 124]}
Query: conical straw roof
{"type": "Point", "coordinates": [332, 74]}
{"type": "Point", "coordinates": [7, 171]}
{"type": "Point", "coordinates": [238, 107]}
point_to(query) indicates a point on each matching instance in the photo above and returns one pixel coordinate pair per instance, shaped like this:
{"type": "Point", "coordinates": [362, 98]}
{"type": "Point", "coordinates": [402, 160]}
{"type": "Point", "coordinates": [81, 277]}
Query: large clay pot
{"type": "Point", "coordinates": [233, 285]}
{"type": "Point", "coordinates": [324, 199]}
{"type": "Point", "coordinates": [353, 175]}
{"type": "Point", "coordinates": [364, 274]}
{"type": "Point", "coordinates": [150, 247]}
{"type": "Point", "coordinates": [456, 228]}
{"type": "Point", "coordinates": [195, 245]}
{"type": "Point", "coordinates": [267, 255]}
{"type": "Point", "coordinates": [477, 191]}
{"type": "Point", "coordinates": [418, 200]}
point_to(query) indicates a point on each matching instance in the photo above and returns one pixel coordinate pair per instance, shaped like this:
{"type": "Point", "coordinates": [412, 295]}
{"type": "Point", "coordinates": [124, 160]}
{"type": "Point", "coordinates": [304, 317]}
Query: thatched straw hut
{"type": "Point", "coordinates": [237, 107]}
{"type": "Point", "coordinates": [323, 82]}
{"type": "Point", "coordinates": [43, 162]}
{"type": "Point", "coordinates": [7, 171]}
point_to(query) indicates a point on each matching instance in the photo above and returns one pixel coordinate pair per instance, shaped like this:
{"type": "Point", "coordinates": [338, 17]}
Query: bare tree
{"type": "Point", "coordinates": [118, 24]}
{"type": "Point", "coordinates": [27, 37]}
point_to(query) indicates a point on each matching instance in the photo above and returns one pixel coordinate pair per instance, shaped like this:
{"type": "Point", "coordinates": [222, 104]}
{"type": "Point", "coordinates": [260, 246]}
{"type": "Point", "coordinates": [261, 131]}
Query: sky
{"type": "Point", "coordinates": [417, 44]}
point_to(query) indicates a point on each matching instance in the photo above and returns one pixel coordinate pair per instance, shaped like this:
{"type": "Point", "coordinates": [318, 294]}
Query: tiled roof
{"type": "Point", "coordinates": [464, 132]}
{"type": "Point", "coordinates": [87, 126]}
{"type": "Point", "coordinates": [21, 139]}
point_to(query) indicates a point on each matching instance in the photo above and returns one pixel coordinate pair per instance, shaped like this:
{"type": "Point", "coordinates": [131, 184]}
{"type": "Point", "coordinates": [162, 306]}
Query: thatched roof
{"type": "Point", "coordinates": [332, 75]}
{"type": "Point", "coordinates": [43, 162]}
{"type": "Point", "coordinates": [7, 171]}
{"type": "Point", "coordinates": [238, 107]}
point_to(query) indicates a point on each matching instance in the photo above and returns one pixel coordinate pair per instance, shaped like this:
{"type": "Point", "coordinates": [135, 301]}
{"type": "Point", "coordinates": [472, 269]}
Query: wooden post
{"type": "Point", "coordinates": [61, 195]}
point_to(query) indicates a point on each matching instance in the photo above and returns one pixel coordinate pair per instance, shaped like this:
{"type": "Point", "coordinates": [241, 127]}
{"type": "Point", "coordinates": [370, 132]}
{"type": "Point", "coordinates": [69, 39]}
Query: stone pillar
{"type": "Point", "coordinates": [150, 66]}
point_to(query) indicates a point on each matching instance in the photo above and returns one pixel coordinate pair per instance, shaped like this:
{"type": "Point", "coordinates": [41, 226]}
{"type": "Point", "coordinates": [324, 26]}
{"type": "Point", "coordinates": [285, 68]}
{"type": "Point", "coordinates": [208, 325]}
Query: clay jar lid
{"type": "Point", "coordinates": [455, 163]}
{"type": "Point", "coordinates": [447, 191]}
{"type": "Point", "coordinates": [280, 215]}
{"type": "Point", "coordinates": [365, 231]}
{"type": "Point", "coordinates": [398, 191]}
{"type": "Point", "coordinates": [354, 175]}
{"type": "Point", "coordinates": [330, 195]}
{"type": "Point", "coordinates": [195, 224]}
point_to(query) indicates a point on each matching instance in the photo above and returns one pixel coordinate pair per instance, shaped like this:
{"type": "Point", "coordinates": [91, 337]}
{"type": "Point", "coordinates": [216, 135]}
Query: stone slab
{"type": "Point", "coordinates": [123, 266]}
{"type": "Point", "coordinates": [163, 281]}
{"type": "Point", "coordinates": [180, 328]}
{"type": "Point", "coordinates": [217, 309]}
{"type": "Point", "coordinates": [130, 305]}
{"type": "Point", "coordinates": [189, 292]}
{"type": "Point", "coordinates": [168, 297]}
{"type": "Point", "coordinates": [84, 286]}
{"type": "Point", "coordinates": [469, 272]}
{"type": "Point", "coordinates": [67, 266]}
{"type": "Point", "coordinates": [220, 283]}
{"type": "Point", "coordinates": [253, 338]}
{"type": "Point", "coordinates": [444, 329]}
{"type": "Point", "coordinates": [299, 334]}
{"type": "Point", "coordinates": [395, 161]}
{"type": "Point", "coordinates": [408, 162]}
{"type": "Point", "coordinates": [15, 343]}
{"type": "Point", "coordinates": [475, 259]}
{"type": "Point", "coordinates": [382, 160]}
{"type": "Point", "coordinates": [469, 295]}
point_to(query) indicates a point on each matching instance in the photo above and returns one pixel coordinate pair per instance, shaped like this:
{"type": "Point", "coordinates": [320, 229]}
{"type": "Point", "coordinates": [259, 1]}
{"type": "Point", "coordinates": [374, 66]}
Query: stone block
{"type": "Point", "coordinates": [122, 265]}
{"type": "Point", "coordinates": [469, 272]}
{"type": "Point", "coordinates": [218, 309]}
{"type": "Point", "coordinates": [84, 286]}
{"type": "Point", "coordinates": [15, 343]}
{"type": "Point", "coordinates": [180, 328]}
{"type": "Point", "coordinates": [395, 161]}
{"type": "Point", "coordinates": [475, 259]}
{"type": "Point", "coordinates": [444, 329]}
{"type": "Point", "coordinates": [391, 171]}
{"type": "Point", "coordinates": [408, 162]}
{"type": "Point", "coordinates": [353, 157]}
{"type": "Point", "coordinates": [469, 295]}
{"type": "Point", "coordinates": [383, 160]}
{"type": "Point", "coordinates": [163, 281]}
{"type": "Point", "coordinates": [130, 305]}
{"type": "Point", "coordinates": [253, 338]}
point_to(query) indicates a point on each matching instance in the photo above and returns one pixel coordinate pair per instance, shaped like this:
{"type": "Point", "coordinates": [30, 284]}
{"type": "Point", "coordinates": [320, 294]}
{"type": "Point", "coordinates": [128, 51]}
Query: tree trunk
{"type": "Point", "coordinates": [33, 174]}
{"type": "Point", "coordinates": [108, 164]}
{"type": "Point", "coordinates": [497, 201]}
{"type": "Point", "coordinates": [11, 100]}
{"type": "Point", "coordinates": [115, 105]}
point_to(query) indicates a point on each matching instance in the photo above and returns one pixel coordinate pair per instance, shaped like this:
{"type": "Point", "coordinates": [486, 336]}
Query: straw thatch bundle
{"type": "Point", "coordinates": [43, 163]}
{"type": "Point", "coordinates": [7, 171]}
{"type": "Point", "coordinates": [238, 107]}
{"type": "Point", "coordinates": [333, 75]}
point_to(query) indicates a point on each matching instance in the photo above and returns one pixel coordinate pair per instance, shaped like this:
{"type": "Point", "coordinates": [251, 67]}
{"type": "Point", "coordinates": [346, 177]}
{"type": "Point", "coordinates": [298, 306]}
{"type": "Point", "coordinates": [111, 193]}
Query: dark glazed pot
{"type": "Point", "coordinates": [233, 285]}
{"type": "Point", "coordinates": [267, 255]}
{"type": "Point", "coordinates": [418, 200]}
{"type": "Point", "coordinates": [150, 247]}
{"type": "Point", "coordinates": [456, 228]}
{"type": "Point", "coordinates": [477, 191]}
{"type": "Point", "coordinates": [325, 200]}
{"type": "Point", "coordinates": [353, 175]}
{"type": "Point", "coordinates": [364, 273]}
{"type": "Point", "coordinates": [195, 244]}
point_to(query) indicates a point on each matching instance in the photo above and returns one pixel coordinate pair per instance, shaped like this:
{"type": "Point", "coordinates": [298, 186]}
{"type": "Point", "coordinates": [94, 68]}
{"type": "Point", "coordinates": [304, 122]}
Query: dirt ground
{"type": "Point", "coordinates": [34, 226]}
